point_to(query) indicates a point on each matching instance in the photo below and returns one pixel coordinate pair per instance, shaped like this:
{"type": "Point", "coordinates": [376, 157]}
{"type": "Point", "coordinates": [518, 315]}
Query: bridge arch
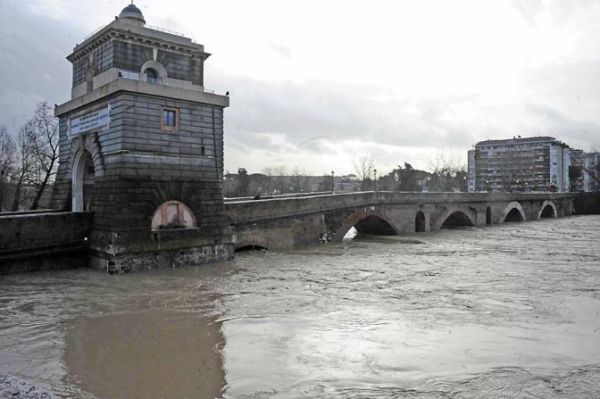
{"type": "Point", "coordinates": [488, 215]}
{"type": "Point", "coordinates": [513, 213]}
{"type": "Point", "coordinates": [548, 210]}
{"type": "Point", "coordinates": [251, 241]}
{"type": "Point", "coordinates": [370, 222]}
{"type": "Point", "coordinates": [420, 225]}
{"type": "Point", "coordinates": [454, 217]}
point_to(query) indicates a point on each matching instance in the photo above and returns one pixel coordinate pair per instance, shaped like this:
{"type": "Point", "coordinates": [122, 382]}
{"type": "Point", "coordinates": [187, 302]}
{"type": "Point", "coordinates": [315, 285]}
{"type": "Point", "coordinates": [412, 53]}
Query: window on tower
{"type": "Point", "coordinates": [170, 119]}
{"type": "Point", "coordinates": [152, 76]}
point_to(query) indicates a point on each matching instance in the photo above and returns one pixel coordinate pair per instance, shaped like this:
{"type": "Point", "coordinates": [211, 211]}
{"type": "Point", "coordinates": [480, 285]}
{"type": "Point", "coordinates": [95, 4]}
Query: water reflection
{"type": "Point", "coordinates": [149, 354]}
{"type": "Point", "coordinates": [505, 311]}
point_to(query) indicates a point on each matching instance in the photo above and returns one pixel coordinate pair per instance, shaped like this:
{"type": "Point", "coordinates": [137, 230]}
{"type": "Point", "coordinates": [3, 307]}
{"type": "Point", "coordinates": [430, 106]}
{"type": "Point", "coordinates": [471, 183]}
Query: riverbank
{"type": "Point", "coordinates": [13, 388]}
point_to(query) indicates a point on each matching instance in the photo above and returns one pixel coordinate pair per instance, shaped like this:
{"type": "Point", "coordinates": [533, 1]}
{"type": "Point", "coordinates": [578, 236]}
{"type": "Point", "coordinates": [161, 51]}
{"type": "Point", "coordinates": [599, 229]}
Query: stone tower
{"type": "Point", "coordinates": [141, 146]}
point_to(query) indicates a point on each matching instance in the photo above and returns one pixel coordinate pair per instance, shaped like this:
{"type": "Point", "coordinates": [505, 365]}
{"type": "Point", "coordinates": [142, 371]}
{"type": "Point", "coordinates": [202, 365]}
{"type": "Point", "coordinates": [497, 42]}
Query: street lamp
{"type": "Point", "coordinates": [332, 185]}
{"type": "Point", "coordinates": [375, 180]}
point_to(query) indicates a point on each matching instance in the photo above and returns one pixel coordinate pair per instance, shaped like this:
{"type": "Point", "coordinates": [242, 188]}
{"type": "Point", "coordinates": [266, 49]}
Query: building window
{"type": "Point", "coordinates": [151, 76]}
{"type": "Point", "coordinates": [170, 119]}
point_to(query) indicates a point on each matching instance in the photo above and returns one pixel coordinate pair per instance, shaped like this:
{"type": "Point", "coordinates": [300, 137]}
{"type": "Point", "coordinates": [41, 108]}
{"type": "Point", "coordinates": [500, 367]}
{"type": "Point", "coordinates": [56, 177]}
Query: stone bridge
{"type": "Point", "coordinates": [285, 223]}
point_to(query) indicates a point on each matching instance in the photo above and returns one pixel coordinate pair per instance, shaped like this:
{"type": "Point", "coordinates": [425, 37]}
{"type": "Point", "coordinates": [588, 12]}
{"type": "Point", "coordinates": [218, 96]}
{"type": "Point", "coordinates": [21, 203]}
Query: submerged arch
{"type": "Point", "coordinates": [513, 213]}
{"type": "Point", "coordinates": [548, 210]}
{"type": "Point", "coordinates": [366, 223]}
{"type": "Point", "coordinates": [250, 247]}
{"type": "Point", "coordinates": [251, 242]}
{"type": "Point", "coordinates": [374, 225]}
{"type": "Point", "coordinates": [488, 215]}
{"type": "Point", "coordinates": [457, 218]}
{"type": "Point", "coordinates": [420, 222]}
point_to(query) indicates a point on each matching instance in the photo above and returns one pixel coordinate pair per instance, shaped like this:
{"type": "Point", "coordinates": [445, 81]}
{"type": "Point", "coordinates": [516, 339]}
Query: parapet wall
{"type": "Point", "coordinates": [46, 240]}
{"type": "Point", "coordinates": [587, 203]}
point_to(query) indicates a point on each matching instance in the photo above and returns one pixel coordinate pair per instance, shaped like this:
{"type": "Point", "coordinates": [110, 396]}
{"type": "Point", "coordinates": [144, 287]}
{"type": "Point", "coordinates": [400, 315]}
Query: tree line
{"type": "Point", "coordinates": [446, 175]}
{"type": "Point", "coordinates": [28, 160]}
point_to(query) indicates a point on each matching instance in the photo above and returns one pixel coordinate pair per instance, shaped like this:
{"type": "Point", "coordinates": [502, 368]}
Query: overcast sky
{"type": "Point", "coordinates": [319, 84]}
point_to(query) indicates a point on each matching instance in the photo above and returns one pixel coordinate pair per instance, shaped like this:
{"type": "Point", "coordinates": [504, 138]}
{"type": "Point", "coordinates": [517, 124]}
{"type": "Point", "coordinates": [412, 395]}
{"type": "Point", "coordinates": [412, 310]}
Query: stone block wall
{"type": "Point", "coordinates": [587, 204]}
{"type": "Point", "coordinates": [43, 240]}
{"type": "Point", "coordinates": [140, 165]}
{"type": "Point", "coordinates": [128, 56]}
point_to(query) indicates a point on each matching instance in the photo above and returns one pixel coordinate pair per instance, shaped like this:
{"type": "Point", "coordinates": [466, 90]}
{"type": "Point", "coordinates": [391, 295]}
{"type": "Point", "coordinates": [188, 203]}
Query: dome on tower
{"type": "Point", "coordinates": [132, 12]}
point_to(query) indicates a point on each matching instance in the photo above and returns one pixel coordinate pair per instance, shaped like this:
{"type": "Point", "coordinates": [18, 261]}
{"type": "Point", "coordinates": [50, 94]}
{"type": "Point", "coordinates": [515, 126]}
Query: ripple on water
{"type": "Point", "coordinates": [472, 313]}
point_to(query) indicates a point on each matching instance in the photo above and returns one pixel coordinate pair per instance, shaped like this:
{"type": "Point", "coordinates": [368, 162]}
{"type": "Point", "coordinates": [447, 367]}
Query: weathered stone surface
{"type": "Point", "coordinates": [33, 241]}
{"type": "Point", "coordinates": [284, 223]}
{"type": "Point", "coordinates": [13, 388]}
{"type": "Point", "coordinates": [138, 162]}
{"type": "Point", "coordinates": [587, 203]}
{"type": "Point", "coordinates": [177, 257]}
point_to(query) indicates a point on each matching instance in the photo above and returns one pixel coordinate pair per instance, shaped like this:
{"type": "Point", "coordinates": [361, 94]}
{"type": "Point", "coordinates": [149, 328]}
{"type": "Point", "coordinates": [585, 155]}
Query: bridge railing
{"type": "Point", "coordinates": [276, 196]}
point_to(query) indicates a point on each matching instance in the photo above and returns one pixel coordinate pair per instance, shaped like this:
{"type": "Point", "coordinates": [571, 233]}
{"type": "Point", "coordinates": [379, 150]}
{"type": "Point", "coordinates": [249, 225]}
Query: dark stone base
{"type": "Point", "coordinates": [140, 261]}
{"type": "Point", "coordinates": [587, 204]}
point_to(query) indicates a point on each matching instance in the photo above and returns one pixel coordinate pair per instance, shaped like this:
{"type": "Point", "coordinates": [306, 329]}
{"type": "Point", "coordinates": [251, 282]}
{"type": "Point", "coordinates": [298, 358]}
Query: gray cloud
{"type": "Point", "coordinates": [33, 66]}
{"type": "Point", "coordinates": [559, 99]}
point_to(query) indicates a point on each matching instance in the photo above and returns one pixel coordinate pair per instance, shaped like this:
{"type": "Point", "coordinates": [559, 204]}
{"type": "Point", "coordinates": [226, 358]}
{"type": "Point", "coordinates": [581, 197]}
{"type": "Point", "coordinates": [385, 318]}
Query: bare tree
{"type": "Point", "coordinates": [43, 134]}
{"type": "Point", "coordinates": [36, 155]}
{"type": "Point", "coordinates": [269, 173]}
{"type": "Point", "coordinates": [447, 174]}
{"type": "Point", "coordinates": [299, 180]}
{"type": "Point", "coordinates": [24, 165]}
{"type": "Point", "coordinates": [364, 170]}
{"type": "Point", "coordinates": [280, 173]}
{"type": "Point", "coordinates": [7, 161]}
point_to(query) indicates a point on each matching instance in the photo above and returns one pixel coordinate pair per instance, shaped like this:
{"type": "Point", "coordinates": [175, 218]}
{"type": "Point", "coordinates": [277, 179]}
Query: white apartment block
{"type": "Point", "coordinates": [519, 164]}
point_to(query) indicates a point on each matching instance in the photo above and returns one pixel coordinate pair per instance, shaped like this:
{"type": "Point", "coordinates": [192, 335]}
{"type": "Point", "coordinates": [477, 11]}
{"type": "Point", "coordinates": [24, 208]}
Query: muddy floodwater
{"type": "Point", "coordinates": [510, 311]}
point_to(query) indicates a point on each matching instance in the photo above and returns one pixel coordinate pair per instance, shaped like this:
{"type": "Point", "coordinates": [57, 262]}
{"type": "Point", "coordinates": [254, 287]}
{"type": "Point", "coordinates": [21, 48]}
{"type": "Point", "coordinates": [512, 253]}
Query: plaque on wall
{"type": "Point", "coordinates": [96, 120]}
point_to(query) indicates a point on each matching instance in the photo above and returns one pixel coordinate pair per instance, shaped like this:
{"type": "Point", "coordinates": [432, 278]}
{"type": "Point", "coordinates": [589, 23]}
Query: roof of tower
{"type": "Point", "coordinates": [132, 12]}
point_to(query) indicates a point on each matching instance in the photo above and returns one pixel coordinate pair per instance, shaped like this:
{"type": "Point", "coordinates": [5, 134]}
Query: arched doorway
{"type": "Point", "coordinates": [82, 181]}
{"type": "Point", "coordinates": [488, 216]}
{"type": "Point", "coordinates": [420, 222]}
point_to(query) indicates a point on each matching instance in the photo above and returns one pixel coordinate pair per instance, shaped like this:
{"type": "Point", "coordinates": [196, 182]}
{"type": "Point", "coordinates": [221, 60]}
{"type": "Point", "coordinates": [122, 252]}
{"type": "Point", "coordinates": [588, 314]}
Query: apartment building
{"type": "Point", "coordinates": [519, 164]}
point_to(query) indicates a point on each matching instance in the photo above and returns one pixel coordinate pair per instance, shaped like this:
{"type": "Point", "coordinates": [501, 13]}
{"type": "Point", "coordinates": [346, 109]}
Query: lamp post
{"type": "Point", "coordinates": [375, 180]}
{"type": "Point", "coordinates": [332, 184]}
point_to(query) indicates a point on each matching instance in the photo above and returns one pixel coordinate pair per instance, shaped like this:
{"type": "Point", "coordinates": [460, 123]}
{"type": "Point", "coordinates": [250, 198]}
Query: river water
{"type": "Point", "coordinates": [509, 311]}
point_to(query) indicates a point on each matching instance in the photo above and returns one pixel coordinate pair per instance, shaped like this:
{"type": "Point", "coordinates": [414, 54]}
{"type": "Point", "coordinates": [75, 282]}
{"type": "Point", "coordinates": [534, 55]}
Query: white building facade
{"type": "Point", "coordinates": [519, 164]}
